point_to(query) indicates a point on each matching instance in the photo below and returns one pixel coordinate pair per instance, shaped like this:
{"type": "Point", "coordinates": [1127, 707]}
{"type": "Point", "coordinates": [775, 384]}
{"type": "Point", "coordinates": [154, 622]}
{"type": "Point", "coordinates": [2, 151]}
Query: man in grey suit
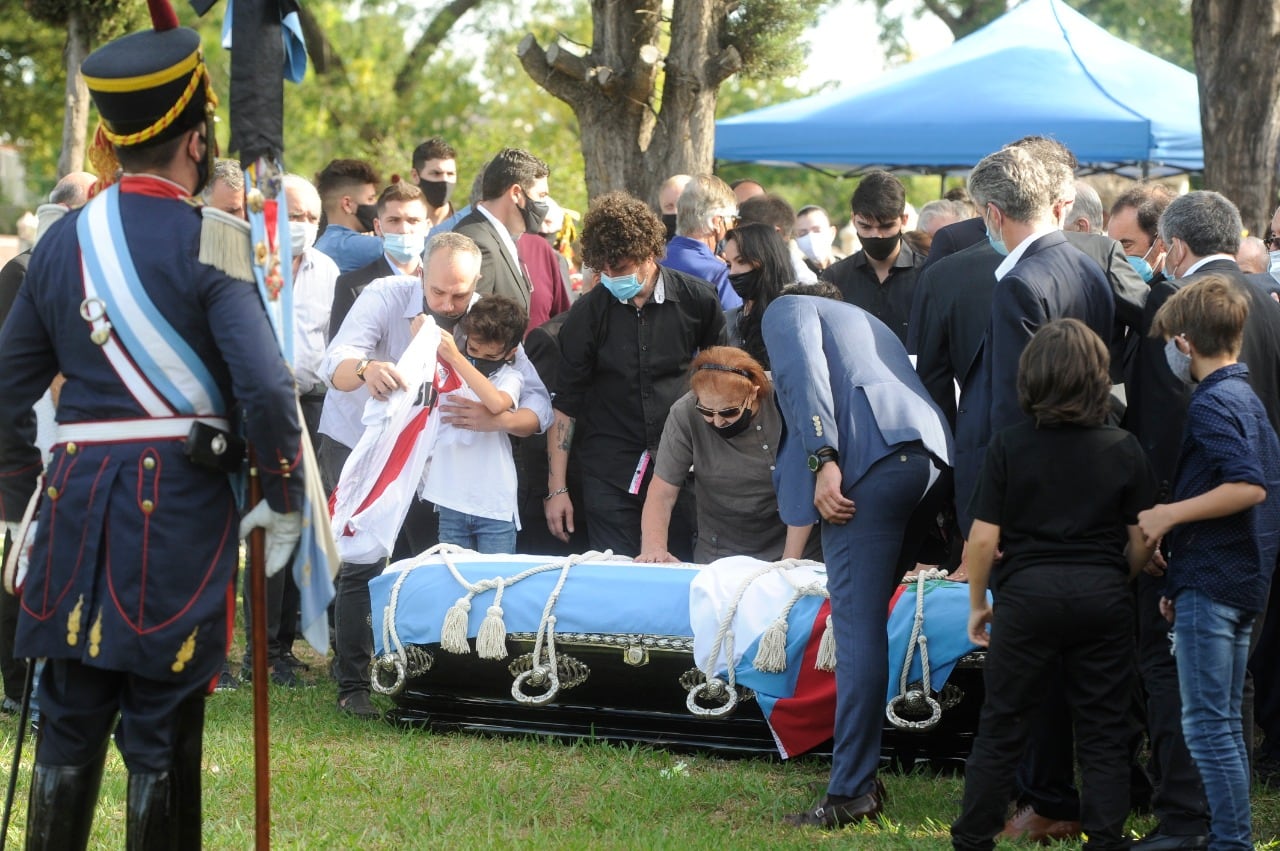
{"type": "Point", "coordinates": [862, 445]}
{"type": "Point", "coordinates": [513, 200]}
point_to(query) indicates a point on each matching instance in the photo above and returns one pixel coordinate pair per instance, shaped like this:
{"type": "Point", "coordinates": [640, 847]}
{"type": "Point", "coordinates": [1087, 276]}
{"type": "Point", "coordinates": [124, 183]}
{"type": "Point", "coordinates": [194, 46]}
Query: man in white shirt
{"type": "Point", "coordinates": [360, 363]}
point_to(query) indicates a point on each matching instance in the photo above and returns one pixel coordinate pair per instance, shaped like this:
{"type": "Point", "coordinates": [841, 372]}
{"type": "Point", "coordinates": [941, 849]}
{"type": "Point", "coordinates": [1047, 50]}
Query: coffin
{"type": "Point", "coordinates": [728, 657]}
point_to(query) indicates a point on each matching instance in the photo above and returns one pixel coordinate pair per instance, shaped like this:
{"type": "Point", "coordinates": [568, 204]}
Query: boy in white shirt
{"type": "Point", "coordinates": [472, 477]}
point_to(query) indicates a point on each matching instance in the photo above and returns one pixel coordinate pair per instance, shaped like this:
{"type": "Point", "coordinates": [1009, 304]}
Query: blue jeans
{"type": "Point", "coordinates": [1211, 643]}
{"type": "Point", "coordinates": [482, 534]}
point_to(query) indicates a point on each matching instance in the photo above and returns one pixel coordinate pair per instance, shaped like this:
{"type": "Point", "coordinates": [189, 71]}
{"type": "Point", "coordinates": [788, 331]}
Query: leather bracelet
{"type": "Point", "coordinates": [548, 497]}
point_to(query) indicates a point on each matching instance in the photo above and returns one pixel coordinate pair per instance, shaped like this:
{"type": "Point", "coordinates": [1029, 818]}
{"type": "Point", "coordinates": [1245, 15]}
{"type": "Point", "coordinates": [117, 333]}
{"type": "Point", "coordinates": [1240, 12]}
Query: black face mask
{"type": "Point", "coordinates": [746, 284]}
{"type": "Point", "coordinates": [486, 367]}
{"type": "Point", "coordinates": [366, 213]}
{"type": "Point", "coordinates": [534, 212]}
{"type": "Point", "coordinates": [737, 427]}
{"type": "Point", "coordinates": [438, 192]}
{"type": "Point", "coordinates": [445, 323]}
{"type": "Point", "coordinates": [202, 174]}
{"type": "Point", "coordinates": [669, 222]}
{"type": "Point", "coordinates": [880, 247]}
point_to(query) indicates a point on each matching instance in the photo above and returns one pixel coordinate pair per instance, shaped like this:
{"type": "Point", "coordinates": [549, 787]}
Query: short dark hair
{"type": "Point", "coordinates": [768, 210]}
{"type": "Point", "coordinates": [1064, 376]}
{"type": "Point", "coordinates": [821, 289]}
{"type": "Point", "coordinates": [618, 228]}
{"type": "Point", "coordinates": [879, 196]}
{"type": "Point", "coordinates": [511, 166]}
{"type": "Point", "coordinates": [1149, 200]}
{"type": "Point", "coordinates": [1210, 313]}
{"type": "Point", "coordinates": [144, 157]}
{"type": "Point", "coordinates": [340, 176]}
{"type": "Point", "coordinates": [496, 319]}
{"type": "Point", "coordinates": [401, 190]}
{"type": "Point", "coordinates": [434, 148]}
{"type": "Point", "coordinates": [1206, 221]}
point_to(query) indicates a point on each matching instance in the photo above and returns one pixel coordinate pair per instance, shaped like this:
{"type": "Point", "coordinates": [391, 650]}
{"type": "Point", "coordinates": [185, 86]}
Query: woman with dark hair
{"type": "Point", "coordinates": [759, 267]}
{"type": "Point", "coordinates": [727, 429]}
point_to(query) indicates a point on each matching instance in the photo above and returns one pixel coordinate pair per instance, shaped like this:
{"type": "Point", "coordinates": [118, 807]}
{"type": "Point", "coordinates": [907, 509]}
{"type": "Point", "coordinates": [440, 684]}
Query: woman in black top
{"type": "Point", "coordinates": [759, 267]}
{"type": "Point", "coordinates": [1060, 494]}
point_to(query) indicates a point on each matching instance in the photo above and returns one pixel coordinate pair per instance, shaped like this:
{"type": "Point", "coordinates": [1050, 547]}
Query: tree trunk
{"type": "Point", "coordinates": [1235, 44]}
{"type": "Point", "coordinates": [631, 138]}
{"type": "Point", "coordinates": [75, 122]}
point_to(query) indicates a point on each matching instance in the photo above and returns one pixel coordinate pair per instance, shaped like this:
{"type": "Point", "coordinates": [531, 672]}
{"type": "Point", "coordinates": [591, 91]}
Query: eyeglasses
{"type": "Point", "coordinates": [1272, 242]}
{"type": "Point", "coordinates": [724, 414]}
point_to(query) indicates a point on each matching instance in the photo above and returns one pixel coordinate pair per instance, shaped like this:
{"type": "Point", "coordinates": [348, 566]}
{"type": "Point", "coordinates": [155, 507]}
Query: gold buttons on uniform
{"type": "Point", "coordinates": [52, 492]}
{"type": "Point", "coordinates": [148, 506]}
{"type": "Point", "coordinates": [72, 449]}
{"type": "Point", "coordinates": [148, 463]}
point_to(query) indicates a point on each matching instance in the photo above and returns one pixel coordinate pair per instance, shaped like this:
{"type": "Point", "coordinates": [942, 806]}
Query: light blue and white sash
{"type": "Point", "coordinates": [156, 364]}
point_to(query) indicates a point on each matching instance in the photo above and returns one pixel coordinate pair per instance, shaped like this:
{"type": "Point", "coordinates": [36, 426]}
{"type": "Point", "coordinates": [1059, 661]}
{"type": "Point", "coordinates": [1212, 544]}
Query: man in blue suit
{"type": "Point", "coordinates": [862, 445]}
{"type": "Point", "coordinates": [1041, 278]}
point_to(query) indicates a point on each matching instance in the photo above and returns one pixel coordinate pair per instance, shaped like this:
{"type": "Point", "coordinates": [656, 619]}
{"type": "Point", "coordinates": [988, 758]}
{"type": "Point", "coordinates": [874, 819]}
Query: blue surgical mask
{"type": "Point", "coordinates": [624, 287]}
{"type": "Point", "coordinates": [1141, 266]}
{"type": "Point", "coordinates": [1178, 360]}
{"type": "Point", "coordinates": [404, 247]}
{"type": "Point", "coordinates": [1274, 268]}
{"type": "Point", "coordinates": [994, 238]}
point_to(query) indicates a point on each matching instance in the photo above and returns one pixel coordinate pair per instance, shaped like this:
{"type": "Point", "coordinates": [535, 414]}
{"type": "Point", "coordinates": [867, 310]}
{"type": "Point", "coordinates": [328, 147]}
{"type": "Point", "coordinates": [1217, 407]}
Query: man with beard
{"type": "Point", "coordinates": [881, 277]}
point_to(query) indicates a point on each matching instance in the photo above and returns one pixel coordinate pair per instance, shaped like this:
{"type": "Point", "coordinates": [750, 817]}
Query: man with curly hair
{"type": "Point", "coordinates": [625, 352]}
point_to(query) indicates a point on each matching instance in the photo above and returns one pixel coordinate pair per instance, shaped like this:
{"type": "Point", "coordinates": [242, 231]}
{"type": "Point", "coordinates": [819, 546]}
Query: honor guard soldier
{"type": "Point", "coordinates": [134, 554]}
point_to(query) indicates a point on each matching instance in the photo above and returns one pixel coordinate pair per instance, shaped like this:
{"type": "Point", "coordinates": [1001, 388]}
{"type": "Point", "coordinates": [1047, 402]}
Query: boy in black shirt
{"type": "Point", "coordinates": [1061, 494]}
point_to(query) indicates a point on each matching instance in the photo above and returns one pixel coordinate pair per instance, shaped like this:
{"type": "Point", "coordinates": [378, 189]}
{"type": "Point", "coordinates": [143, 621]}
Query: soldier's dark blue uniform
{"type": "Point", "coordinates": [133, 564]}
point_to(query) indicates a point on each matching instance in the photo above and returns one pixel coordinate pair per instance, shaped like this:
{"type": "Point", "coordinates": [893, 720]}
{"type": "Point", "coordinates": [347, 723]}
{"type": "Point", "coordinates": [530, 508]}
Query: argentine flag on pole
{"type": "Point", "coordinates": [315, 563]}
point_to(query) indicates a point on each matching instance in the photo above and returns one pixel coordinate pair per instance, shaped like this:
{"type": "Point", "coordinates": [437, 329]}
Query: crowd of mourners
{"type": "Point", "coordinates": [1091, 395]}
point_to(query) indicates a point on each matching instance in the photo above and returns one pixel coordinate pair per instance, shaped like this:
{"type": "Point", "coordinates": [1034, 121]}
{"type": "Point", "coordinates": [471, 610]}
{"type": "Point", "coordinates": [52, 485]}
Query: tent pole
{"type": "Point", "coordinates": [942, 184]}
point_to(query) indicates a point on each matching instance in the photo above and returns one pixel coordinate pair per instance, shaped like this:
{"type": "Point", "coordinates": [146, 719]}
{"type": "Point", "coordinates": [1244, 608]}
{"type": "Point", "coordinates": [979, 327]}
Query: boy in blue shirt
{"type": "Point", "coordinates": [1223, 528]}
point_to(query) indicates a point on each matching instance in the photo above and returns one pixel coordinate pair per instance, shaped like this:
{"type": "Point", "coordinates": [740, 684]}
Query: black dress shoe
{"type": "Point", "coordinates": [1158, 841]}
{"type": "Point", "coordinates": [829, 814]}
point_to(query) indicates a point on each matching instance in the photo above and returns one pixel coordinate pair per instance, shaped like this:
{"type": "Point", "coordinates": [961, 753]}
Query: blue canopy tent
{"type": "Point", "coordinates": [1042, 68]}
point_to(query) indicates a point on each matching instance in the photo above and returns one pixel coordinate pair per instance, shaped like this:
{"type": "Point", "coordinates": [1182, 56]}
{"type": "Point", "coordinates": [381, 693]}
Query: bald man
{"type": "Point", "coordinates": [668, 195]}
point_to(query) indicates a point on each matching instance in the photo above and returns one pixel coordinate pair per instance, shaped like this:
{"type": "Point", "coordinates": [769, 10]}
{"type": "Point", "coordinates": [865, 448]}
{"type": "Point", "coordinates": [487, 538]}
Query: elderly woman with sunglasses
{"type": "Point", "coordinates": [727, 429]}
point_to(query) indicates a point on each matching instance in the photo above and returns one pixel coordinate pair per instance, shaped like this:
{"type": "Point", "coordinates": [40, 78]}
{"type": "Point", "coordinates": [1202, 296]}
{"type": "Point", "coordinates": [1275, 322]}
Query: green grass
{"type": "Point", "coordinates": [339, 783]}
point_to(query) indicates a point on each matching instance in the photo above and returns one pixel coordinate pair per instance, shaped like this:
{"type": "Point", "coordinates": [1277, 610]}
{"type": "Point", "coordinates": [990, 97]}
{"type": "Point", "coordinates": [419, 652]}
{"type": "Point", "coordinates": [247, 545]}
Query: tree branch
{"type": "Point", "coordinates": [535, 63]}
{"type": "Point", "coordinates": [324, 57]}
{"type": "Point", "coordinates": [723, 66]}
{"type": "Point", "coordinates": [411, 71]}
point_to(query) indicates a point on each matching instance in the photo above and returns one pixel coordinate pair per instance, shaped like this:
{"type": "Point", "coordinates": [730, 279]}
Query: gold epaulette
{"type": "Point", "coordinates": [225, 243]}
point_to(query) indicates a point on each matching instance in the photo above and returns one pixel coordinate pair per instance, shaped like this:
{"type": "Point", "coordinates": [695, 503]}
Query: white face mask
{"type": "Point", "coordinates": [815, 245]}
{"type": "Point", "coordinates": [302, 235]}
{"type": "Point", "coordinates": [1274, 267]}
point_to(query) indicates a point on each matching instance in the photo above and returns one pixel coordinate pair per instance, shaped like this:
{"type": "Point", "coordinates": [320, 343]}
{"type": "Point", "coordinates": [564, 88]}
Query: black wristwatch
{"type": "Point", "coordinates": [822, 456]}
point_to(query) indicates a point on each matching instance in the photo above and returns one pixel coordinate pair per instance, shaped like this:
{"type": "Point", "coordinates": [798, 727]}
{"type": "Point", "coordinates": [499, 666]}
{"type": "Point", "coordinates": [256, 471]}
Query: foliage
{"type": "Point", "coordinates": [1161, 27]}
{"type": "Point", "coordinates": [31, 99]}
{"type": "Point", "coordinates": [105, 19]}
{"type": "Point", "coordinates": [766, 34]}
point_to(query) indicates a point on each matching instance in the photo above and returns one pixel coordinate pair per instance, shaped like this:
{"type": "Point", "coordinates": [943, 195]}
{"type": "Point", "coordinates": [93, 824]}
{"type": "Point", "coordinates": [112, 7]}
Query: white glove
{"type": "Point", "coordinates": [283, 531]}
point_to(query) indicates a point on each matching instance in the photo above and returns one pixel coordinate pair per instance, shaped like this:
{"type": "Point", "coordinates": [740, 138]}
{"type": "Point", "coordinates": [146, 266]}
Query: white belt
{"type": "Point", "coordinates": [115, 431]}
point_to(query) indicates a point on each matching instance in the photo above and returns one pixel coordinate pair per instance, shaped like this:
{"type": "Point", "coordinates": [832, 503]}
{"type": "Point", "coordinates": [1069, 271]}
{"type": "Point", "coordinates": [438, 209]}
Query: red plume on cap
{"type": "Point", "coordinates": [162, 15]}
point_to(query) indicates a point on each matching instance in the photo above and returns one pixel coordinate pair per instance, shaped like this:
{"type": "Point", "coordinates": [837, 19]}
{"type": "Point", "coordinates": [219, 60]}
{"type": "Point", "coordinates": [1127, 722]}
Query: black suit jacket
{"type": "Point", "coordinates": [349, 286]}
{"type": "Point", "coordinates": [955, 237]}
{"type": "Point", "coordinates": [1157, 410]}
{"type": "Point", "coordinates": [498, 273]}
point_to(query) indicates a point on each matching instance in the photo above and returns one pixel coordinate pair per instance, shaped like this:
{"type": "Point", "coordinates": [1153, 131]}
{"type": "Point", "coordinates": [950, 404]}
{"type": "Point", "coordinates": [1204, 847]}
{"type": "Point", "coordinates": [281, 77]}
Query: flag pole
{"type": "Point", "coordinates": [261, 682]}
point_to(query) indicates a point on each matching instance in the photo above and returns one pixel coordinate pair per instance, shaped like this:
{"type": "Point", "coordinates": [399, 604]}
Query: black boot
{"type": "Point", "coordinates": [60, 811]}
{"type": "Point", "coordinates": [186, 772]}
{"type": "Point", "coordinates": [151, 824]}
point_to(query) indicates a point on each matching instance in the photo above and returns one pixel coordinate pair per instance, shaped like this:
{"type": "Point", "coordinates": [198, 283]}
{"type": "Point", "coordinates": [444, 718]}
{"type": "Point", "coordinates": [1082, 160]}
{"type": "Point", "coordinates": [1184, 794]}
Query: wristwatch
{"type": "Point", "coordinates": [822, 456]}
{"type": "Point", "coordinates": [361, 367]}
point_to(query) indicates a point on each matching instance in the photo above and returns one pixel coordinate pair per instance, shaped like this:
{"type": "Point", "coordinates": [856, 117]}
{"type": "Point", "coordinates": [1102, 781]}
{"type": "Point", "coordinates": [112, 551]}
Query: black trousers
{"type": "Point", "coordinates": [80, 705]}
{"type": "Point", "coordinates": [1264, 664]}
{"type": "Point", "coordinates": [613, 518]}
{"type": "Point", "coordinates": [1082, 620]}
{"type": "Point", "coordinates": [1179, 803]}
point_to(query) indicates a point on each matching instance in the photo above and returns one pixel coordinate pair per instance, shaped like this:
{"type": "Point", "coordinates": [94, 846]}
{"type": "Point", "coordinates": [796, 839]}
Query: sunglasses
{"type": "Point", "coordinates": [724, 413]}
{"type": "Point", "coordinates": [1272, 242]}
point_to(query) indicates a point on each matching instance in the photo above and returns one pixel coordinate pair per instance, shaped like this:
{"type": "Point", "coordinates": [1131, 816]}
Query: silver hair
{"type": "Point", "coordinates": [1206, 221]}
{"type": "Point", "coordinates": [304, 186]}
{"type": "Point", "coordinates": [228, 171]}
{"type": "Point", "coordinates": [942, 208]}
{"type": "Point", "coordinates": [1087, 206]}
{"type": "Point", "coordinates": [705, 197]}
{"type": "Point", "coordinates": [454, 243]}
{"type": "Point", "coordinates": [1017, 182]}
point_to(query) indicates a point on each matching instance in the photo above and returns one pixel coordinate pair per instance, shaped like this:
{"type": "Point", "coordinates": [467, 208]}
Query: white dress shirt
{"type": "Point", "coordinates": [312, 300]}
